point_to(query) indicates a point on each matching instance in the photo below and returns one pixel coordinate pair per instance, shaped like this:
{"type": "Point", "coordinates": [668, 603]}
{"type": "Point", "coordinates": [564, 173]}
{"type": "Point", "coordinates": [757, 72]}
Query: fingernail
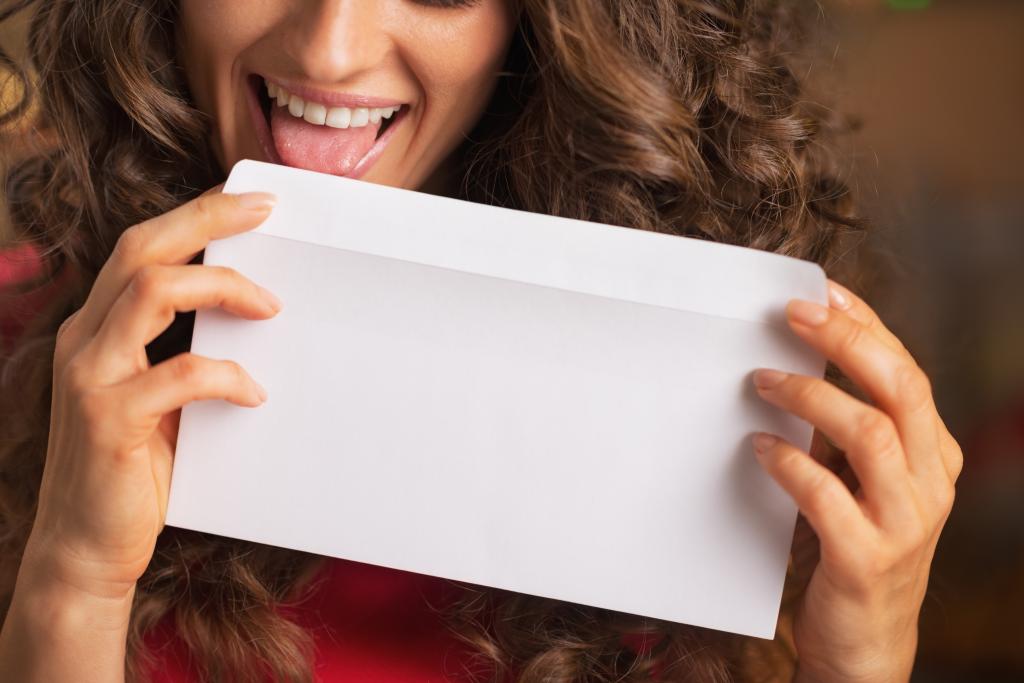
{"type": "Point", "coordinates": [807, 313]}
{"type": "Point", "coordinates": [763, 442]}
{"type": "Point", "coordinates": [766, 379]}
{"type": "Point", "coordinates": [838, 296]}
{"type": "Point", "coordinates": [271, 299]}
{"type": "Point", "coordinates": [261, 393]}
{"type": "Point", "coordinates": [256, 200]}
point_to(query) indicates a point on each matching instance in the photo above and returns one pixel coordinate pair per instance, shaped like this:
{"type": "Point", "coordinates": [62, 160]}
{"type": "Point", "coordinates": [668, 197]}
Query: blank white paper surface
{"type": "Point", "coordinates": [515, 400]}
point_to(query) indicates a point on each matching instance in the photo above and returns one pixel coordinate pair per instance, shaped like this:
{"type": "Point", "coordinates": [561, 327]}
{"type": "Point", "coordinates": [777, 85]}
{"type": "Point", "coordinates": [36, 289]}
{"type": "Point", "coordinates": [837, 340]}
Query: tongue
{"type": "Point", "coordinates": [319, 148]}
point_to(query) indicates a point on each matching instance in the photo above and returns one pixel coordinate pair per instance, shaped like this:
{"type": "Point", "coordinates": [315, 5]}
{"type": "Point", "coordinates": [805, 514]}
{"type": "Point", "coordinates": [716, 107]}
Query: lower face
{"type": "Point", "coordinates": [381, 90]}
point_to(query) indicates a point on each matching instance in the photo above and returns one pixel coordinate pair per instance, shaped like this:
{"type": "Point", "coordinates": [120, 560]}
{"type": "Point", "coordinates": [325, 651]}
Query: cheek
{"type": "Point", "coordinates": [456, 60]}
{"type": "Point", "coordinates": [221, 26]}
{"type": "Point", "coordinates": [210, 35]}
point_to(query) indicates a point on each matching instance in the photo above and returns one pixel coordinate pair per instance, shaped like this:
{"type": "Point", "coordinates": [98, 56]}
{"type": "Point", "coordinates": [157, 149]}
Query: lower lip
{"type": "Point", "coordinates": [266, 137]}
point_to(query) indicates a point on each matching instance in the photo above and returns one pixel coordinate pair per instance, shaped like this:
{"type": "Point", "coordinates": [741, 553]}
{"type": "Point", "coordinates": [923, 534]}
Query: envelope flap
{"type": "Point", "coordinates": [678, 272]}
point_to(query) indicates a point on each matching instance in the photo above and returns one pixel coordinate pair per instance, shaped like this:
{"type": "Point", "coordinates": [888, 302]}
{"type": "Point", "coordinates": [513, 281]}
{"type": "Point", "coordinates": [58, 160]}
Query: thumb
{"type": "Point", "coordinates": [214, 190]}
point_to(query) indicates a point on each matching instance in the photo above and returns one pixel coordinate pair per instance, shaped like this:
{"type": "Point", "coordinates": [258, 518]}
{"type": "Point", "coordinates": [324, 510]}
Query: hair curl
{"type": "Point", "coordinates": [677, 116]}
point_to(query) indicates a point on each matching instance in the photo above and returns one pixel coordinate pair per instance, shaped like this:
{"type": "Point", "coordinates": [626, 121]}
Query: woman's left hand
{"type": "Point", "coordinates": [858, 617]}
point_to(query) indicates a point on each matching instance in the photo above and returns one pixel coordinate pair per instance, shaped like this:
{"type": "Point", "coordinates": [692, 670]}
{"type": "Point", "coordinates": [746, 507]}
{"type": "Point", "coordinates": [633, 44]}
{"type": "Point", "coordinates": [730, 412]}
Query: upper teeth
{"type": "Point", "coordinates": [335, 117]}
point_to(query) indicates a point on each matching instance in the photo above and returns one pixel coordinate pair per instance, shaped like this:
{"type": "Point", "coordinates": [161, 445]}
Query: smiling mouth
{"type": "Point", "coordinates": [302, 133]}
{"type": "Point", "coordinates": [334, 117]}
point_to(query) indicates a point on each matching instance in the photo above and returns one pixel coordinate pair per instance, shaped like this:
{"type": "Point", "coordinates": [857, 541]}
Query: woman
{"type": "Point", "coordinates": [669, 115]}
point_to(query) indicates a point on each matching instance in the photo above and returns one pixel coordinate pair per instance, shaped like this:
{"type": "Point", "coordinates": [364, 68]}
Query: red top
{"type": "Point", "coordinates": [17, 265]}
{"type": "Point", "coordinates": [370, 624]}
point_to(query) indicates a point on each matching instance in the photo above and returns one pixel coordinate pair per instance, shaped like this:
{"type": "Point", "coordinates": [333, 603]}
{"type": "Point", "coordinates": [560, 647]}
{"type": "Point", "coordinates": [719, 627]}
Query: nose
{"type": "Point", "coordinates": [333, 40]}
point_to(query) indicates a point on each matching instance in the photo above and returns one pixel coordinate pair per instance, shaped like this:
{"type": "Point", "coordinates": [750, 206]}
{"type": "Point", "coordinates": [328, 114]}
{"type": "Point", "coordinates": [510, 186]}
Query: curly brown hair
{"type": "Point", "coordinates": [678, 116]}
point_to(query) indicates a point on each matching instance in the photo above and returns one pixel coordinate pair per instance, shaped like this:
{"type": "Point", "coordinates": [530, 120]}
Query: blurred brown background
{"type": "Point", "coordinates": [939, 87]}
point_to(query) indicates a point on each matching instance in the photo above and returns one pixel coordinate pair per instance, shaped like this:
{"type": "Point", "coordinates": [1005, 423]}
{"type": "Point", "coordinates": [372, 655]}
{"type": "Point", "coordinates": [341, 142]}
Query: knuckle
{"type": "Point", "coordinates": [873, 324]}
{"type": "Point", "coordinates": [67, 324]}
{"type": "Point", "coordinates": [231, 277]}
{"type": "Point", "coordinates": [75, 379]}
{"type": "Point", "coordinates": [237, 372]}
{"type": "Point", "coordinates": [900, 346]}
{"type": "Point", "coordinates": [956, 463]}
{"type": "Point", "coordinates": [877, 433]}
{"type": "Point", "coordinates": [913, 385]}
{"type": "Point", "coordinates": [187, 368]}
{"type": "Point", "coordinates": [819, 495]}
{"type": "Point", "coordinates": [849, 338]}
{"type": "Point", "coordinates": [870, 321]}
{"type": "Point", "coordinates": [148, 282]}
{"type": "Point", "coordinates": [131, 245]}
{"type": "Point", "coordinates": [805, 390]}
{"type": "Point", "coordinates": [205, 206]}
{"type": "Point", "coordinates": [946, 495]}
{"type": "Point", "coordinates": [951, 452]}
{"type": "Point", "coordinates": [64, 339]}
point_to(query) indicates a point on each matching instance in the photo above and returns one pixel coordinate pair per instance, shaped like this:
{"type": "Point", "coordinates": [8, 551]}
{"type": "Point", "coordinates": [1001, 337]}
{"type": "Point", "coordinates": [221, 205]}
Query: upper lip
{"type": "Point", "coordinates": [330, 98]}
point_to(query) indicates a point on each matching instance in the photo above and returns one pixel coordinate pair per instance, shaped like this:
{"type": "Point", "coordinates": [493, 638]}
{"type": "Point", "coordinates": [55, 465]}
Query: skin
{"type": "Point", "coordinates": [858, 618]}
{"type": "Point", "coordinates": [439, 61]}
{"type": "Point", "coordinates": [114, 418]}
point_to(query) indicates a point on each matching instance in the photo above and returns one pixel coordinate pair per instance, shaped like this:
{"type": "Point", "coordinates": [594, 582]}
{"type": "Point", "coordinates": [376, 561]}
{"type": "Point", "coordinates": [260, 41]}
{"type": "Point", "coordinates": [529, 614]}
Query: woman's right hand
{"type": "Point", "coordinates": [114, 418]}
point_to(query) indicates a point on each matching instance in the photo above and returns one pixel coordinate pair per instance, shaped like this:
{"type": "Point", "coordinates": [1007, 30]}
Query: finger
{"type": "Point", "coordinates": [824, 500]}
{"type": "Point", "coordinates": [174, 237]}
{"type": "Point", "coordinates": [890, 377]}
{"type": "Point", "coordinates": [184, 378]}
{"type": "Point", "coordinates": [828, 453]}
{"type": "Point", "coordinates": [952, 454]}
{"type": "Point", "coordinates": [147, 307]}
{"type": "Point", "coordinates": [866, 434]}
{"type": "Point", "coordinates": [842, 299]}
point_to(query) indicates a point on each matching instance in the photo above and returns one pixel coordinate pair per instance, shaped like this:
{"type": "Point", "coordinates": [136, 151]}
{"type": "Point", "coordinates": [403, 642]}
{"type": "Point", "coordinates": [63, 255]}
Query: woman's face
{"type": "Point", "coordinates": [345, 66]}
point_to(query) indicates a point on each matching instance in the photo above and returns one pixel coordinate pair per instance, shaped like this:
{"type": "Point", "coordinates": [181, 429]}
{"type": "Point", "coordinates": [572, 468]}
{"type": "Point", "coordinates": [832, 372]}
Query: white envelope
{"type": "Point", "coordinates": [538, 404]}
